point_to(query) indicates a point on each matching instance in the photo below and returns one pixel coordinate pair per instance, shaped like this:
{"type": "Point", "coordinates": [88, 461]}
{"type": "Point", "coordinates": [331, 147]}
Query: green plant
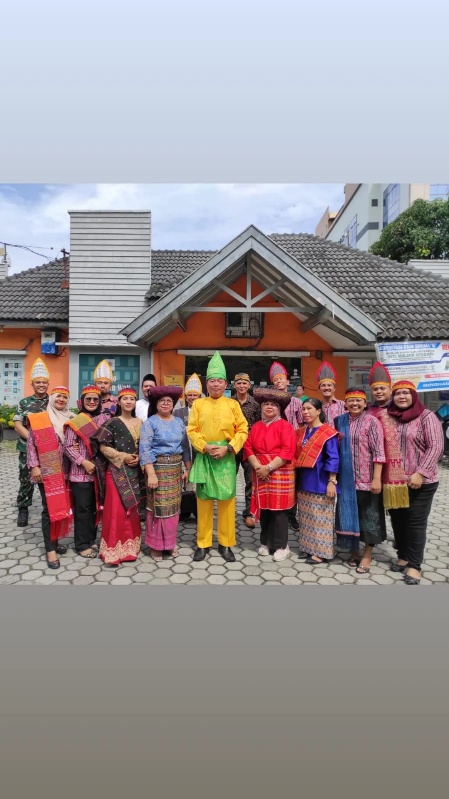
{"type": "Point", "coordinates": [6, 415]}
{"type": "Point", "coordinates": [422, 231]}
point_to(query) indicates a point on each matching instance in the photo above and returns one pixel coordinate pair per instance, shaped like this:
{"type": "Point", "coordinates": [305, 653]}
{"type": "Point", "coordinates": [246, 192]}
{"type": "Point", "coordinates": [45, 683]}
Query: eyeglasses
{"type": "Point", "coordinates": [92, 399]}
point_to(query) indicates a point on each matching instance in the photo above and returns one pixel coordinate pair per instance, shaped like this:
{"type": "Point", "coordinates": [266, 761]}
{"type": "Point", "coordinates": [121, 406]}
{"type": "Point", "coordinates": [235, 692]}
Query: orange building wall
{"type": "Point", "coordinates": [281, 332]}
{"type": "Point", "coordinates": [30, 340]}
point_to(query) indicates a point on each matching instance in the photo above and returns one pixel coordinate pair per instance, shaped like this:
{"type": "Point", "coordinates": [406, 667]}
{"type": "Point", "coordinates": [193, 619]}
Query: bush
{"type": "Point", "coordinates": [6, 415]}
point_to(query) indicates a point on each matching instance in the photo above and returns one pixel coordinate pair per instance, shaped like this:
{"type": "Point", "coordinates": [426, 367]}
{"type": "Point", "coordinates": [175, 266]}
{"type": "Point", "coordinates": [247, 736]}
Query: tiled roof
{"type": "Point", "coordinates": [407, 302]}
{"type": "Point", "coordinates": [35, 295]}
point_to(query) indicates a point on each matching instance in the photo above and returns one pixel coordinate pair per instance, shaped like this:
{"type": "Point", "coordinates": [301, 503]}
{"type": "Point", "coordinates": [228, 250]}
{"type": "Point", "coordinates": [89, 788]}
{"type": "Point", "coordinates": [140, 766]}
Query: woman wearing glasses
{"type": "Point", "coordinates": [83, 478]}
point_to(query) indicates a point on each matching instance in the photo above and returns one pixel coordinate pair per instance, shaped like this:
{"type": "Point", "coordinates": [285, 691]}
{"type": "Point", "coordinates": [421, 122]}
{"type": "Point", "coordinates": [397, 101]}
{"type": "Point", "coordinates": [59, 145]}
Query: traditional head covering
{"type": "Point", "coordinates": [358, 393]}
{"type": "Point", "coordinates": [193, 385]}
{"type": "Point", "coordinates": [276, 368]}
{"type": "Point", "coordinates": [379, 375]}
{"type": "Point", "coordinates": [60, 390]}
{"type": "Point", "coordinates": [80, 403]}
{"type": "Point", "coordinates": [127, 391]}
{"type": "Point", "coordinates": [58, 418]}
{"type": "Point", "coordinates": [242, 376]}
{"type": "Point", "coordinates": [174, 392]}
{"type": "Point", "coordinates": [416, 408]}
{"type": "Point", "coordinates": [326, 372]}
{"type": "Point", "coordinates": [39, 371]}
{"type": "Point", "coordinates": [216, 368]}
{"type": "Point", "coordinates": [282, 398]}
{"type": "Point", "coordinates": [103, 371]}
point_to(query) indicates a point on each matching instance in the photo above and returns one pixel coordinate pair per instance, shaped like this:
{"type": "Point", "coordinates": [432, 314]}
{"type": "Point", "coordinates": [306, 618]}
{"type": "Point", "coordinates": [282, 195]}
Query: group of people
{"type": "Point", "coordinates": [327, 468]}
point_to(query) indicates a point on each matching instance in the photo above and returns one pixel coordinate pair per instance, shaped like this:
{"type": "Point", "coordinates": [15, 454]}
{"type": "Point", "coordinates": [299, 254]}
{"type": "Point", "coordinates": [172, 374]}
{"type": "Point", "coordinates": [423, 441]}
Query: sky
{"type": "Point", "coordinates": [184, 216]}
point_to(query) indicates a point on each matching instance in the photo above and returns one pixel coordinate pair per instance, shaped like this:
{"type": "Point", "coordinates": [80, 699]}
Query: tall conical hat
{"type": "Point", "coordinates": [276, 368]}
{"type": "Point", "coordinates": [39, 371]}
{"type": "Point", "coordinates": [216, 368]}
{"type": "Point", "coordinates": [193, 385]}
{"type": "Point", "coordinates": [379, 375]}
{"type": "Point", "coordinates": [326, 372]}
{"type": "Point", "coordinates": [103, 371]}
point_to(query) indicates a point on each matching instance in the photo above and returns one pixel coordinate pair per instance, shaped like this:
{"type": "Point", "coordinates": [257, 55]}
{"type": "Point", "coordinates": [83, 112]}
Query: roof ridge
{"type": "Point", "coordinates": [39, 267]}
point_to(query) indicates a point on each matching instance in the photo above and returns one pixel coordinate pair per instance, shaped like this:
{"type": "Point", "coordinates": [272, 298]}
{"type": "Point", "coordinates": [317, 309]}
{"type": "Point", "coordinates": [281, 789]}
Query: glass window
{"type": "Point", "coordinates": [391, 203]}
{"type": "Point", "coordinates": [439, 191]}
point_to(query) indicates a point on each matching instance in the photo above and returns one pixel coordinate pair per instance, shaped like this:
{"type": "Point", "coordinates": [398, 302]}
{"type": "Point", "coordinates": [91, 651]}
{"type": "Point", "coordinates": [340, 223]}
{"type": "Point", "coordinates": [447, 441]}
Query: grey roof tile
{"type": "Point", "coordinates": [35, 295]}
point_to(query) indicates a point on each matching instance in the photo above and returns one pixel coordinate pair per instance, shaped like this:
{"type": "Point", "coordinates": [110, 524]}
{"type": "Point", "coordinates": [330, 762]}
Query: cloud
{"type": "Point", "coordinates": [184, 216]}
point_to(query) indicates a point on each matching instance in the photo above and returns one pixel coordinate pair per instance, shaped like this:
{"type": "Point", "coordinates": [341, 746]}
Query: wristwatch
{"type": "Point", "coordinates": [331, 480]}
{"type": "Point", "coordinates": [230, 449]}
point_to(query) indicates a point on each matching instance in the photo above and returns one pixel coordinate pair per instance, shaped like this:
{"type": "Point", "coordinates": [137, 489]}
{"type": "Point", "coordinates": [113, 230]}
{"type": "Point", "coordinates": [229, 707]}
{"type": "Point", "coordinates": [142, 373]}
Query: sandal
{"type": "Point", "coordinates": [155, 555]}
{"type": "Point", "coordinates": [61, 550]}
{"type": "Point", "coordinates": [90, 556]}
{"type": "Point", "coordinates": [362, 569]}
{"type": "Point", "coordinates": [353, 562]}
{"type": "Point", "coordinates": [398, 567]}
{"type": "Point", "coordinates": [53, 564]}
{"type": "Point", "coordinates": [174, 553]}
{"type": "Point", "coordinates": [312, 562]}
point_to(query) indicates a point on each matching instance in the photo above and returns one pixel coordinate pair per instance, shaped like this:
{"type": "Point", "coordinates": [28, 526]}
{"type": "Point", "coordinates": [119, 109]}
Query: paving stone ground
{"type": "Point", "coordinates": [22, 555]}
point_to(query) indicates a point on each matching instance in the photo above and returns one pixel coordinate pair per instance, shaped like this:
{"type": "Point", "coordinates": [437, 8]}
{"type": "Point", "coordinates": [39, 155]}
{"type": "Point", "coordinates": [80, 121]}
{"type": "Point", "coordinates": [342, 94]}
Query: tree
{"type": "Point", "coordinates": [422, 231]}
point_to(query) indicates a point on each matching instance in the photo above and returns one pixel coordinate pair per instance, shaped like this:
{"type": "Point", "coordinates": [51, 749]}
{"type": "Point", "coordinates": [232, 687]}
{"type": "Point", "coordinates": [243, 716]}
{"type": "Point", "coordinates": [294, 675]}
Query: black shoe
{"type": "Point", "coordinates": [200, 554]}
{"type": "Point", "coordinates": [184, 516]}
{"type": "Point", "coordinates": [411, 580]}
{"type": "Point", "coordinates": [226, 553]}
{"type": "Point", "coordinates": [53, 564]}
{"type": "Point", "coordinates": [293, 524]}
{"type": "Point", "coordinates": [22, 519]}
{"type": "Point", "coordinates": [61, 550]}
{"type": "Point", "coordinates": [396, 567]}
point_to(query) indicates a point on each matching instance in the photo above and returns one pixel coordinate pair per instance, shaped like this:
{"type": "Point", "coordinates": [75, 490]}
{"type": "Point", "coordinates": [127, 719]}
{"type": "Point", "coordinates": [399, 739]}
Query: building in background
{"type": "Point", "coordinates": [369, 207]}
{"type": "Point", "coordinates": [291, 297]}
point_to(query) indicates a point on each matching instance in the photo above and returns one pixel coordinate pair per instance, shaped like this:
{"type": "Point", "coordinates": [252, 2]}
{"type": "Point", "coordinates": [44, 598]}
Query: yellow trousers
{"type": "Point", "coordinates": [226, 522]}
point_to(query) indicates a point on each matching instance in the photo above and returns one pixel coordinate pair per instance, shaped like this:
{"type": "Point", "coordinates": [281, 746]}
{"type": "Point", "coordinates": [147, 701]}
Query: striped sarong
{"type": "Point", "coordinates": [165, 500]}
{"type": "Point", "coordinates": [316, 524]}
{"type": "Point", "coordinates": [276, 493]}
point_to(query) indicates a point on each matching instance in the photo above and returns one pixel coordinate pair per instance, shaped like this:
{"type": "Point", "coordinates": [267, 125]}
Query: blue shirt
{"type": "Point", "coordinates": [162, 438]}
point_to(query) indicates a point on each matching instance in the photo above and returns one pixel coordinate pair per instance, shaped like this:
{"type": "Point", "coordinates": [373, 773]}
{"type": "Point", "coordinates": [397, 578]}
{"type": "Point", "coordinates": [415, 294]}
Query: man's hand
{"type": "Point", "coordinates": [215, 451]}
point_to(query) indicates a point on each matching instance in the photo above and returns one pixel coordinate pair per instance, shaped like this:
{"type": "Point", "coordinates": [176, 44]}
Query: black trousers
{"type": "Point", "coordinates": [50, 546]}
{"type": "Point", "coordinates": [410, 525]}
{"type": "Point", "coordinates": [85, 511]}
{"type": "Point", "coordinates": [248, 475]}
{"type": "Point", "coordinates": [274, 529]}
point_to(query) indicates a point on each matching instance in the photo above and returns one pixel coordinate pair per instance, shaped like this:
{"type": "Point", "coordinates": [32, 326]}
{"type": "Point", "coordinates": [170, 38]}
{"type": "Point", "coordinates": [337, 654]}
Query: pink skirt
{"type": "Point", "coordinates": [161, 534]}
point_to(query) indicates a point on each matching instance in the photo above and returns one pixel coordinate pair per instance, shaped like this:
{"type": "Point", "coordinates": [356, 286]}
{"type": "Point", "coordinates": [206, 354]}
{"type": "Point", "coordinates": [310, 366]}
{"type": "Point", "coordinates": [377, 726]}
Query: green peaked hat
{"type": "Point", "coordinates": [216, 368]}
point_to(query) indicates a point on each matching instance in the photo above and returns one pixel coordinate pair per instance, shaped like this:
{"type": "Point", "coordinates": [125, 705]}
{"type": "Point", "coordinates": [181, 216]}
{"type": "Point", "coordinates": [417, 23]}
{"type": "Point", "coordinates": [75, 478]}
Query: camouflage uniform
{"type": "Point", "coordinates": [26, 405]}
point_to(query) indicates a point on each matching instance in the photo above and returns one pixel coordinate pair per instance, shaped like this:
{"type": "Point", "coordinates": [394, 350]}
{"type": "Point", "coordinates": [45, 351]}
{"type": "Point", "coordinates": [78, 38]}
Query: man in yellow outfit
{"type": "Point", "coordinates": [217, 430]}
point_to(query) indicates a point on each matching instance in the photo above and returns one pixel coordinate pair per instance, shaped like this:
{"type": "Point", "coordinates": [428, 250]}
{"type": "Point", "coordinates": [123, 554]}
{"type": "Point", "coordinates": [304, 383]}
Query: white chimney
{"type": "Point", "coordinates": [5, 263]}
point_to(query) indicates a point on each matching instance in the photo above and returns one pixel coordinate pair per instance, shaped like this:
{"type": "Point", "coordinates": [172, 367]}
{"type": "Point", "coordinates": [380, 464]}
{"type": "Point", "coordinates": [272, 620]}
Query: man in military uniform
{"type": "Point", "coordinates": [36, 403]}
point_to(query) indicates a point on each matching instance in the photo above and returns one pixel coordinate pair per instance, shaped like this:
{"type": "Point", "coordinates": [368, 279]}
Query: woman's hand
{"type": "Point", "coordinates": [152, 481]}
{"type": "Point", "coordinates": [263, 472]}
{"type": "Point", "coordinates": [376, 486]}
{"type": "Point", "coordinates": [131, 460]}
{"type": "Point", "coordinates": [88, 466]}
{"type": "Point", "coordinates": [415, 480]}
{"type": "Point", "coordinates": [36, 474]}
{"type": "Point", "coordinates": [331, 490]}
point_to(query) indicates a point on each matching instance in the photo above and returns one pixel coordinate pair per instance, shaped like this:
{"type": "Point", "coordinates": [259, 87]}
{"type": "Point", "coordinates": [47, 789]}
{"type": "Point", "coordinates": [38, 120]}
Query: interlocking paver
{"type": "Point", "coordinates": [22, 556]}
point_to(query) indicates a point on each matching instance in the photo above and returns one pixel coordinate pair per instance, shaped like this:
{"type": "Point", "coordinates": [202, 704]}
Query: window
{"type": "Point", "coordinates": [126, 370]}
{"type": "Point", "coordinates": [244, 325]}
{"type": "Point", "coordinates": [439, 191]}
{"type": "Point", "coordinates": [349, 237]}
{"type": "Point", "coordinates": [391, 203]}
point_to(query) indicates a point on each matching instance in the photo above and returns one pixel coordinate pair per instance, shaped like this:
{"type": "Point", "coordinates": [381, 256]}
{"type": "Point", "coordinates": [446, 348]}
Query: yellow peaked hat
{"type": "Point", "coordinates": [103, 371]}
{"type": "Point", "coordinates": [193, 385]}
{"type": "Point", "coordinates": [39, 371]}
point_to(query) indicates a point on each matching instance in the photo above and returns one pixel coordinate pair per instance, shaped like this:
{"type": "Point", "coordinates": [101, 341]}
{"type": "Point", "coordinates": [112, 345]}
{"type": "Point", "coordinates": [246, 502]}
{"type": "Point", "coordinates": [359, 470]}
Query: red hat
{"type": "Point", "coordinates": [403, 384]}
{"type": "Point", "coordinates": [379, 375]}
{"type": "Point", "coordinates": [326, 372]}
{"type": "Point", "coordinates": [90, 390]}
{"type": "Point", "coordinates": [358, 393]}
{"type": "Point", "coordinates": [60, 390]}
{"type": "Point", "coordinates": [128, 391]}
{"type": "Point", "coordinates": [276, 368]}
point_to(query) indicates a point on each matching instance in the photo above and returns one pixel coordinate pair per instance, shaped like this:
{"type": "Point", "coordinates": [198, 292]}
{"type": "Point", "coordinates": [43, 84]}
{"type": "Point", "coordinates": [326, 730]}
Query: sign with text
{"type": "Point", "coordinates": [425, 363]}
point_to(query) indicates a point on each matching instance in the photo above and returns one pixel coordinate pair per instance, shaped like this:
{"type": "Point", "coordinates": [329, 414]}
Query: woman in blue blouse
{"type": "Point", "coordinates": [165, 456]}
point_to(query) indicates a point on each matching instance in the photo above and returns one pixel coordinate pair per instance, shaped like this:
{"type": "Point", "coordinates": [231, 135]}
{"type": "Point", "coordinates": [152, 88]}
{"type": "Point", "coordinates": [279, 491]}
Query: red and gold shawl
{"type": "Point", "coordinates": [307, 454]}
{"type": "Point", "coordinates": [394, 481]}
{"type": "Point", "coordinates": [53, 480]}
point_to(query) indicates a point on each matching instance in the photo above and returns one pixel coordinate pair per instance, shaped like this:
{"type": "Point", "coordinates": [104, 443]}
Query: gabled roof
{"type": "Point", "coordinates": [405, 301]}
{"type": "Point", "coordinates": [297, 286]}
{"type": "Point", "coordinates": [35, 295]}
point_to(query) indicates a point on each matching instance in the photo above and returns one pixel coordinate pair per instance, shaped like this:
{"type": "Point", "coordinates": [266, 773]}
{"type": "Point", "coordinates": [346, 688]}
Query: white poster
{"type": "Point", "coordinates": [424, 363]}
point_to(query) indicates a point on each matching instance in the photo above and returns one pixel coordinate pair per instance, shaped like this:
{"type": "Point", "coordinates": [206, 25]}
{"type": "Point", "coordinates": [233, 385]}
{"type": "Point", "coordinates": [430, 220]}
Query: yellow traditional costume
{"type": "Point", "coordinates": [219, 422]}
